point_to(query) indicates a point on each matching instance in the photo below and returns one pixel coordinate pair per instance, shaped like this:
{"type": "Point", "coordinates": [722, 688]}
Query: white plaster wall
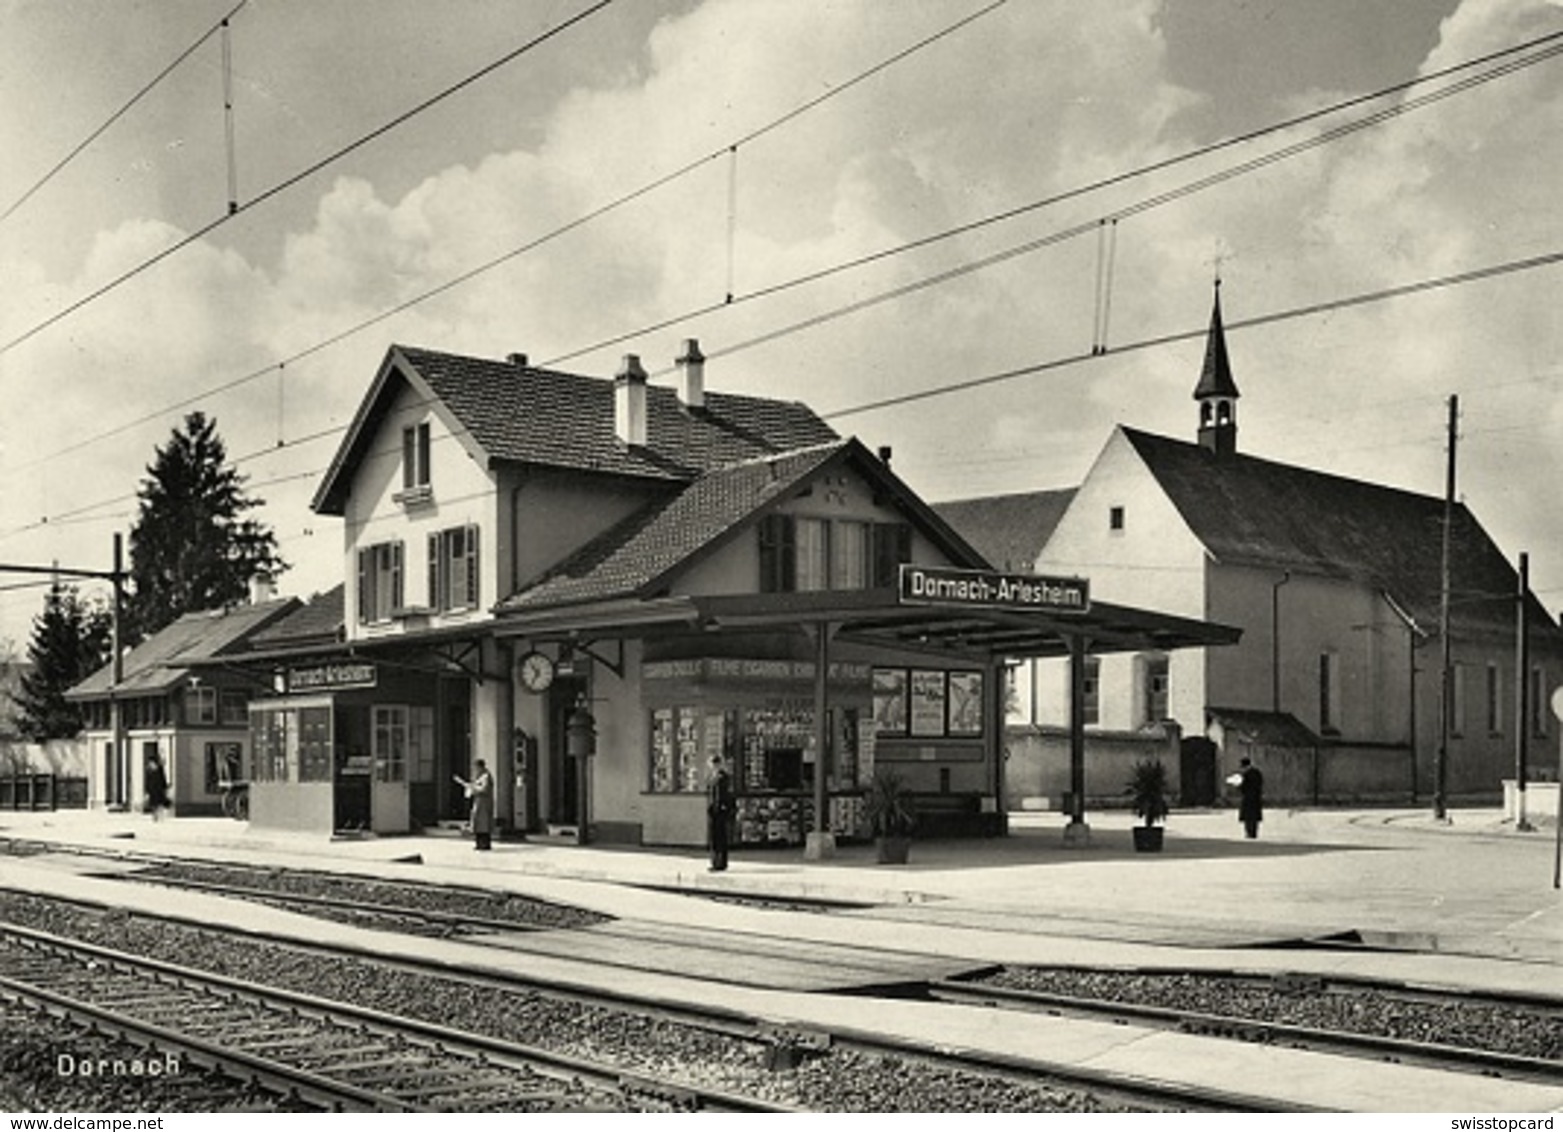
{"type": "Point", "coordinates": [1154, 562]}
{"type": "Point", "coordinates": [463, 492]}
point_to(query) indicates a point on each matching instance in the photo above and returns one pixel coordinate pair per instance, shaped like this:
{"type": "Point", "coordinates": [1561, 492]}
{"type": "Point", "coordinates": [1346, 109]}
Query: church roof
{"type": "Point", "coordinates": [1254, 512]}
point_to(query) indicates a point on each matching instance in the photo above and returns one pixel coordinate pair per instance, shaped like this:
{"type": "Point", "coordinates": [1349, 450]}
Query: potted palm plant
{"type": "Point", "coordinates": [891, 812]}
{"type": "Point", "coordinates": [1148, 792]}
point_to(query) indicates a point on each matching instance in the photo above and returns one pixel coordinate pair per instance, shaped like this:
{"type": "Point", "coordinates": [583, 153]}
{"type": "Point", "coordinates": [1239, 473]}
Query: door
{"type": "Point", "coordinates": [564, 773]}
{"type": "Point", "coordinates": [390, 744]}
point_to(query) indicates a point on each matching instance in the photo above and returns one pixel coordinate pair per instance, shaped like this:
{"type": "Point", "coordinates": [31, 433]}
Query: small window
{"type": "Point", "coordinates": [235, 708]}
{"type": "Point", "coordinates": [415, 456]}
{"type": "Point", "coordinates": [1154, 686]}
{"type": "Point", "coordinates": [1329, 693]}
{"type": "Point", "coordinates": [201, 706]}
{"type": "Point", "coordinates": [1457, 700]}
{"type": "Point", "coordinates": [1494, 700]}
{"type": "Point", "coordinates": [1092, 712]}
{"type": "Point", "coordinates": [1115, 518]}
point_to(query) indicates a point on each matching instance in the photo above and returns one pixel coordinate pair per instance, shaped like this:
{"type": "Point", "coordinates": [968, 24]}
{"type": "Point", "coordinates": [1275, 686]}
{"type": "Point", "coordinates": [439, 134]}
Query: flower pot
{"type": "Point", "coordinates": [894, 850]}
{"type": "Point", "coordinates": [1147, 838]}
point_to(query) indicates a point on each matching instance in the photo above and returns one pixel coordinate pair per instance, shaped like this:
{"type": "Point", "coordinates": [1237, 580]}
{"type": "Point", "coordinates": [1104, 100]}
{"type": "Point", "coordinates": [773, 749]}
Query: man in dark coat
{"type": "Point", "coordinates": [481, 792]}
{"type": "Point", "coordinates": [157, 787]}
{"type": "Point", "coordinates": [1251, 788]}
{"type": "Point", "coordinates": [719, 812]}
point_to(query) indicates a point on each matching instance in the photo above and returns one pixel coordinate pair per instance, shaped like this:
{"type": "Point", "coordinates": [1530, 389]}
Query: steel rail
{"type": "Point", "coordinates": [1432, 1054]}
{"type": "Point", "coordinates": [482, 1050]}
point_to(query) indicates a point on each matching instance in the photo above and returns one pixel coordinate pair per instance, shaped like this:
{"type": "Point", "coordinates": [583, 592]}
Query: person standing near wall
{"type": "Point", "coordinates": [719, 812]}
{"type": "Point", "coordinates": [1251, 791]}
{"type": "Point", "coordinates": [157, 787]}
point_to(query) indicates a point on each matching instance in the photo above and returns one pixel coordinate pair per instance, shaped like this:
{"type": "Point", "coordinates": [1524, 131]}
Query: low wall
{"type": "Point", "coordinates": [1541, 801]}
{"type": "Point", "coordinates": [1036, 765]}
{"type": "Point", "coordinates": [1327, 775]}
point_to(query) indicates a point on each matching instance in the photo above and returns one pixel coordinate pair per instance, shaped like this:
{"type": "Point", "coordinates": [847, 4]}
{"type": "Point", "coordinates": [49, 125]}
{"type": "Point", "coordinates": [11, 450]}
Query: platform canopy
{"type": "Point", "coordinates": [880, 616]}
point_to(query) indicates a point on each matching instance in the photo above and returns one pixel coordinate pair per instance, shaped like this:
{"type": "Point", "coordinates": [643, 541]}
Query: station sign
{"type": "Point", "coordinates": [331, 677]}
{"type": "Point", "coordinates": [992, 589]}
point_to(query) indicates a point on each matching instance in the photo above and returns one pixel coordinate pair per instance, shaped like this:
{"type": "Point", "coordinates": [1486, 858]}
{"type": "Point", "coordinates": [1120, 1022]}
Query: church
{"type": "Point", "coordinates": [1336, 688]}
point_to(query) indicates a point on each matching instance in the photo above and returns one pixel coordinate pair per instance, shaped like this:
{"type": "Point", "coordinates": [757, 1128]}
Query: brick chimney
{"type": "Point", "coordinates": [629, 402]}
{"type": "Point", "coordinates": [692, 375]}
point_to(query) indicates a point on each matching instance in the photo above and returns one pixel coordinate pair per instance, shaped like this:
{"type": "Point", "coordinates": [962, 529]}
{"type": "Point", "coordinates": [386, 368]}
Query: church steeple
{"type": "Point", "coordinates": [1217, 392]}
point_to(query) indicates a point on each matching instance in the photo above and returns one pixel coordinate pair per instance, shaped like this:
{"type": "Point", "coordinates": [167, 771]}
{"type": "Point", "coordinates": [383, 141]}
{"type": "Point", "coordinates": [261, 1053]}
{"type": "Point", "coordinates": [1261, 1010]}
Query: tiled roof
{"type": "Point", "coordinates": [1008, 530]}
{"type": "Point", "coordinates": [1255, 512]}
{"type": "Point", "coordinates": [153, 665]}
{"type": "Point", "coordinates": [318, 619]}
{"type": "Point", "coordinates": [523, 414]}
{"type": "Point", "coordinates": [640, 550]}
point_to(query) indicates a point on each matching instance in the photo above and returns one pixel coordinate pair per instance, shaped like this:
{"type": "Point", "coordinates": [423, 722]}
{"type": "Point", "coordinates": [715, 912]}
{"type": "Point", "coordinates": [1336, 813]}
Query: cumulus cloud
{"type": "Point", "coordinates": [1030, 101]}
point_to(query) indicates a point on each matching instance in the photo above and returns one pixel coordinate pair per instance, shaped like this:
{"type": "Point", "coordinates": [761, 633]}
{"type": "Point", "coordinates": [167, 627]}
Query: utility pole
{"type": "Point", "coordinates": [1522, 705]}
{"type": "Point", "coordinates": [121, 769]}
{"type": "Point", "coordinates": [1441, 764]}
{"type": "Point", "coordinates": [116, 774]}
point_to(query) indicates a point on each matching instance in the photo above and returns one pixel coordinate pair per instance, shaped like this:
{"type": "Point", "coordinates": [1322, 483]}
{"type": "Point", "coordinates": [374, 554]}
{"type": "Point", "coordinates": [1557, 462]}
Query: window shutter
{"type": "Point", "coordinates": [472, 566]}
{"type": "Point", "coordinates": [409, 457]}
{"type": "Point", "coordinates": [769, 572]}
{"type": "Point", "coordinates": [436, 599]}
{"type": "Point", "coordinates": [892, 547]}
{"type": "Point", "coordinates": [424, 475]}
{"type": "Point", "coordinates": [396, 575]}
{"type": "Point", "coordinates": [363, 587]}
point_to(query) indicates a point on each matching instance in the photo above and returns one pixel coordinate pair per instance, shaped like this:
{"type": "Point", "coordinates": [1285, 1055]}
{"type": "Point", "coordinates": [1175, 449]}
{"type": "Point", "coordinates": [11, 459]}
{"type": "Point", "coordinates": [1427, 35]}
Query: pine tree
{"type": "Point", "coordinates": [71, 640]}
{"type": "Point", "coordinates": [192, 548]}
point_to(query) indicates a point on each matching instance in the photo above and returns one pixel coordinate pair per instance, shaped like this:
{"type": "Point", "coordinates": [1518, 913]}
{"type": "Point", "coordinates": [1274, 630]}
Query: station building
{"type": "Point", "coordinates": [597, 585]}
{"type": "Point", "coordinates": [178, 700]}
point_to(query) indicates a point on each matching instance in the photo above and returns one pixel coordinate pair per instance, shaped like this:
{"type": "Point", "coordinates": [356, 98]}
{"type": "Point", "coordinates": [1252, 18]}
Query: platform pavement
{"type": "Point", "coordinates": [1025, 899]}
{"type": "Point", "coordinates": [1440, 896]}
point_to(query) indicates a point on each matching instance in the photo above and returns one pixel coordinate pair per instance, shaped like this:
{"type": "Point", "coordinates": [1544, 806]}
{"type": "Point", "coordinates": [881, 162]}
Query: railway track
{"type": "Point", "coordinates": [676, 1057]}
{"type": "Point", "coordinates": [325, 1054]}
{"type": "Point", "coordinates": [1243, 1008]}
{"type": "Point", "coordinates": [1537, 1058]}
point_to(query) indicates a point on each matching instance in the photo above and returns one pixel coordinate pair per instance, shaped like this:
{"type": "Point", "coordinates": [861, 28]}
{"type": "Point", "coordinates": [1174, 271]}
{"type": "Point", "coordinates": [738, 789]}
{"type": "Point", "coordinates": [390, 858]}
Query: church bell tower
{"type": "Point", "coordinates": [1217, 392]}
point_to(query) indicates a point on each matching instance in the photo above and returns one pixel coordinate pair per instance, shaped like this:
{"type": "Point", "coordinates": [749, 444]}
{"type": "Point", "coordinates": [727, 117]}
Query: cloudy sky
{"type": "Point", "coordinates": [851, 141]}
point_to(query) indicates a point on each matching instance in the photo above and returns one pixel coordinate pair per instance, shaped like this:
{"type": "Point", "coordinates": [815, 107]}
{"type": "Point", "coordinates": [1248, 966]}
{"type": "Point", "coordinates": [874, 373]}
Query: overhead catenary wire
{"type": "Point", "coordinates": [1029, 246]}
{"type": "Point", "coordinates": [528, 246]}
{"type": "Point", "coordinates": [1231, 326]}
{"type": "Point", "coordinates": [302, 175]}
{"type": "Point", "coordinates": [93, 136]}
{"type": "Point", "coordinates": [1531, 263]}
